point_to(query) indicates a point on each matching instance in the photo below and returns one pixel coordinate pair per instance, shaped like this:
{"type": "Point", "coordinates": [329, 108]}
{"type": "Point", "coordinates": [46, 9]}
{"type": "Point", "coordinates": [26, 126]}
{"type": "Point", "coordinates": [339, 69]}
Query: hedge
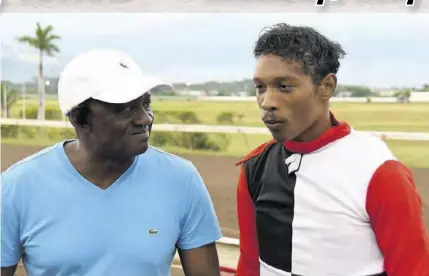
{"type": "Point", "coordinates": [188, 140]}
{"type": "Point", "coordinates": [172, 117]}
{"type": "Point", "coordinates": [191, 141]}
{"type": "Point", "coordinates": [51, 113]}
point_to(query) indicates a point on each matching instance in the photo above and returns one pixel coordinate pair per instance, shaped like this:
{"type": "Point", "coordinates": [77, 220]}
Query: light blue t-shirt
{"type": "Point", "coordinates": [63, 225]}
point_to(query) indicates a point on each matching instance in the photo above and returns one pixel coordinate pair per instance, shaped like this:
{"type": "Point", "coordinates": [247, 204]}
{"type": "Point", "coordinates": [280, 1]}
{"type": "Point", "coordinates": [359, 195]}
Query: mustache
{"type": "Point", "coordinates": [143, 129]}
{"type": "Point", "coordinates": [270, 117]}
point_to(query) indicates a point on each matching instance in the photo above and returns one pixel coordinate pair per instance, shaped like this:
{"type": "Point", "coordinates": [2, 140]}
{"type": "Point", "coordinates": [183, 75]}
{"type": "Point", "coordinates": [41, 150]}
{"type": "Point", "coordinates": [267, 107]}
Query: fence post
{"type": "Point", "coordinates": [24, 102]}
{"type": "Point", "coordinates": [5, 91]}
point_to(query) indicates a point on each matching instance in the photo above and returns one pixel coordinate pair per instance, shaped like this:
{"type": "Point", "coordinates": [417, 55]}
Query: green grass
{"type": "Point", "coordinates": [362, 116]}
{"type": "Point", "coordinates": [413, 153]}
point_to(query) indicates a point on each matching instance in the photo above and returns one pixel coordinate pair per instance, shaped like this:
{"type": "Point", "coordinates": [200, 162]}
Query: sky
{"type": "Point", "coordinates": [383, 50]}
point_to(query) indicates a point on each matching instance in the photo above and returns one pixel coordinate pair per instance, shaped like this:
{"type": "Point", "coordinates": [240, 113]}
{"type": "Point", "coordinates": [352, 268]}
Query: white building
{"type": "Point", "coordinates": [419, 96]}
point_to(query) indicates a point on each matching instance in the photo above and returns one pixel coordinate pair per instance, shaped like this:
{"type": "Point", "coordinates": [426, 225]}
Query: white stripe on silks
{"type": "Point", "coordinates": [267, 270]}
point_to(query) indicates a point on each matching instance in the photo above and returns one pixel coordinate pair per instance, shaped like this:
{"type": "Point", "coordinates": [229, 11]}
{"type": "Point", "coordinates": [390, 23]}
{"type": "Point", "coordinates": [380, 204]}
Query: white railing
{"type": "Point", "coordinates": [413, 136]}
{"type": "Point", "coordinates": [229, 241]}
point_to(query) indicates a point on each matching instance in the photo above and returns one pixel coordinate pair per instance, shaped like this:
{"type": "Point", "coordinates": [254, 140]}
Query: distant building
{"type": "Point", "coordinates": [344, 94]}
{"type": "Point", "coordinates": [419, 96]}
{"type": "Point", "coordinates": [386, 93]}
{"type": "Point", "coordinates": [242, 94]}
{"type": "Point", "coordinates": [212, 92]}
{"type": "Point", "coordinates": [193, 93]}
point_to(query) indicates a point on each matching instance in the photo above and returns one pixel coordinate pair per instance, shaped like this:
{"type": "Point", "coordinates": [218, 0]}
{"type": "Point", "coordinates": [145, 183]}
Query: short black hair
{"type": "Point", "coordinates": [84, 111]}
{"type": "Point", "coordinates": [83, 105]}
{"type": "Point", "coordinates": [317, 55]}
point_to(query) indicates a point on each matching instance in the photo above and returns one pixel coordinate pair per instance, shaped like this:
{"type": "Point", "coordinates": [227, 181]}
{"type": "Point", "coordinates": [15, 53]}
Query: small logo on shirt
{"type": "Point", "coordinates": [293, 163]}
{"type": "Point", "coordinates": [123, 65]}
{"type": "Point", "coordinates": [153, 232]}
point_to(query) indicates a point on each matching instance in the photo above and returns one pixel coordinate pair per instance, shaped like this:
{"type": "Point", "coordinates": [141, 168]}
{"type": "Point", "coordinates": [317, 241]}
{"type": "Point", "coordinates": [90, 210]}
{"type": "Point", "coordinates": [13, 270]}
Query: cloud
{"type": "Point", "coordinates": [181, 73]}
{"type": "Point", "coordinates": [82, 25]}
{"type": "Point", "coordinates": [76, 28]}
{"type": "Point", "coordinates": [34, 59]}
{"type": "Point", "coordinates": [25, 54]}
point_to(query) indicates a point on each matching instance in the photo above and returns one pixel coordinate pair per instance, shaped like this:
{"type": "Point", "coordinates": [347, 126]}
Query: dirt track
{"type": "Point", "coordinates": [220, 175]}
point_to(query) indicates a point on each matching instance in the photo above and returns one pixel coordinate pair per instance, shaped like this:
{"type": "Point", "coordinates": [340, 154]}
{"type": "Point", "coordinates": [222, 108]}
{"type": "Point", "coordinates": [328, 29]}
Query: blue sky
{"type": "Point", "coordinates": [383, 49]}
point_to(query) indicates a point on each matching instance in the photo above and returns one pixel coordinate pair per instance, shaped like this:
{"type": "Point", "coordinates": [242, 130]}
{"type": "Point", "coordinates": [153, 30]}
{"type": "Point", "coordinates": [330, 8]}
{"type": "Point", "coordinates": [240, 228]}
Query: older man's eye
{"type": "Point", "coordinates": [146, 104]}
{"type": "Point", "coordinates": [122, 109]}
{"type": "Point", "coordinates": [125, 108]}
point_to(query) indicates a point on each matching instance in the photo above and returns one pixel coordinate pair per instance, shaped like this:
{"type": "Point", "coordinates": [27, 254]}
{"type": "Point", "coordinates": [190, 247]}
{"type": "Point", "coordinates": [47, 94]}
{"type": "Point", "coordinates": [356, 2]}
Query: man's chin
{"type": "Point", "coordinates": [278, 136]}
{"type": "Point", "coordinates": [281, 136]}
{"type": "Point", "coordinates": [140, 149]}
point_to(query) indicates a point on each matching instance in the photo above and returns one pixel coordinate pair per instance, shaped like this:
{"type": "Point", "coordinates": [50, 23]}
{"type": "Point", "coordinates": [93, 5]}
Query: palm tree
{"type": "Point", "coordinates": [8, 96]}
{"type": "Point", "coordinates": [44, 42]}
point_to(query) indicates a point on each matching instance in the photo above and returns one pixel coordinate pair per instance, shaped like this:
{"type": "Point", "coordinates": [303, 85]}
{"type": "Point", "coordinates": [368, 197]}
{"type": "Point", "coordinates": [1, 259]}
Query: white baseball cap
{"type": "Point", "coordinates": [103, 74]}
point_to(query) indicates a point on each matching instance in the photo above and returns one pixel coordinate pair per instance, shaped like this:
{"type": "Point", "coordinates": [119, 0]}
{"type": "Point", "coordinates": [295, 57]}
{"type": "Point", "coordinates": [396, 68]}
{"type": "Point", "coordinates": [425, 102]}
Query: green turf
{"type": "Point", "coordinates": [413, 153]}
{"type": "Point", "coordinates": [374, 116]}
{"type": "Point", "coordinates": [362, 116]}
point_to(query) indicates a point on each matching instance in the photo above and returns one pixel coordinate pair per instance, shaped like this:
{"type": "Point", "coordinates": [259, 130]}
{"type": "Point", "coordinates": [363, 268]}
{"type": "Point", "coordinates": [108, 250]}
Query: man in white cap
{"type": "Point", "coordinates": [106, 203]}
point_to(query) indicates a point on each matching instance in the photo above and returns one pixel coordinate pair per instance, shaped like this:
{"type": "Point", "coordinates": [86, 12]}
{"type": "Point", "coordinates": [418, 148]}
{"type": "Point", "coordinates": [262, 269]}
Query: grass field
{"type": "Point", "coordinates": [374, 116]}
{"type": "Point", "coordinates": [362, 116]}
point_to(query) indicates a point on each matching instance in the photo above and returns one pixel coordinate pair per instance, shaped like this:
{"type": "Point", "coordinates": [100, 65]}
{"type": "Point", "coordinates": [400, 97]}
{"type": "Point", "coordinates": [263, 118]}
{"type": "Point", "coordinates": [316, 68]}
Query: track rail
{"type": "Point", "coordinates": [391, 135]}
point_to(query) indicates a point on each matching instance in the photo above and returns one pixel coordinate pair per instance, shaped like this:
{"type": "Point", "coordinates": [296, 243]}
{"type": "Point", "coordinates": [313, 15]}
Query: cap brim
{"type": "Point", "coordinates": [127, 92]}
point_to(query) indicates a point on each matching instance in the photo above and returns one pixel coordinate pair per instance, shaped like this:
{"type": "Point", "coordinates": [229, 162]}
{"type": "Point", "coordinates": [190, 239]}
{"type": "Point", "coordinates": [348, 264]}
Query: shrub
{"type": "Point", "coordinates": [187, 140]}
{"type": "Point", "coordinates": [30, 112]}
{"type": "Point", "coordinates": [191, 141]}
{"type": "Point", "coordinates": [51, 112]}
{"type": "Point", "coordinates": [29, 132]}
{"type": "Point", "coordinates": [176, 117]}
{"type": "Point", "coordinates": [225, 118]}
{"type": "Point", "coordinates": [188, 117]}
{"type": "Point", "coordinates": [160, 139]}
{"type": "Point", "coordinates": [221, 140]}
{"type": "Point", "coordinates": [160, 117]}
{"type": "Point", "coordinates": [9, 131]}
